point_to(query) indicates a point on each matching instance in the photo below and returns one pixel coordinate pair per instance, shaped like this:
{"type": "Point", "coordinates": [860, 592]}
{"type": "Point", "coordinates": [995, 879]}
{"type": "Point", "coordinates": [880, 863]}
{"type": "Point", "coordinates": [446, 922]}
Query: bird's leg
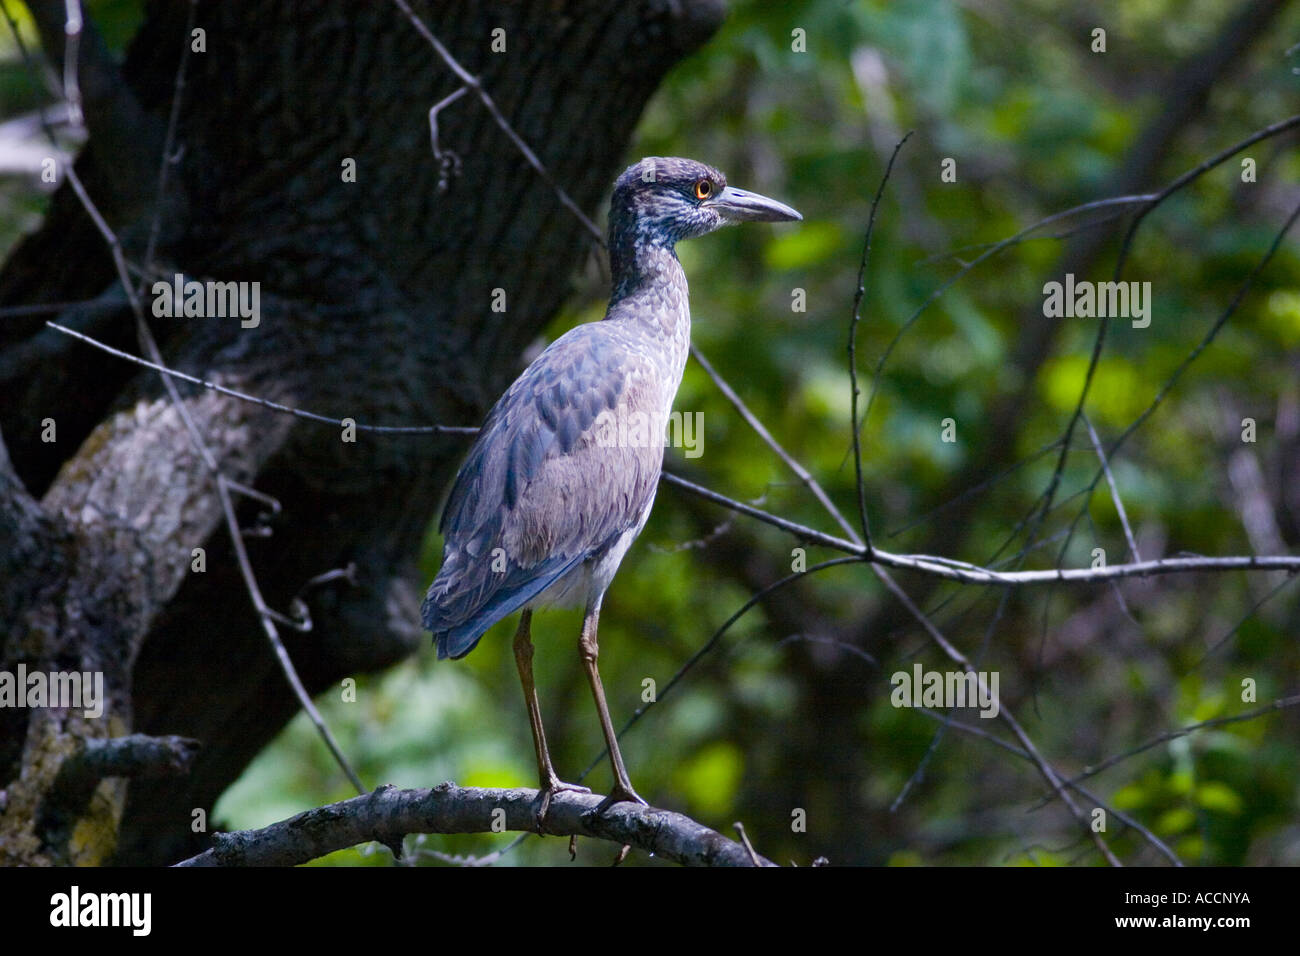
{"type": "Point", "coordinates": [548, 782]}
{"type": "Point", "coordinates": [589, 650]}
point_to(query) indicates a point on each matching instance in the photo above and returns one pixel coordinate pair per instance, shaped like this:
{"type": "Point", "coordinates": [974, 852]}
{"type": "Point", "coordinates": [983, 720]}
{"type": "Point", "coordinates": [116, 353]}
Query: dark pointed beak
{"type": "Point", "coordinates": [737, 205]}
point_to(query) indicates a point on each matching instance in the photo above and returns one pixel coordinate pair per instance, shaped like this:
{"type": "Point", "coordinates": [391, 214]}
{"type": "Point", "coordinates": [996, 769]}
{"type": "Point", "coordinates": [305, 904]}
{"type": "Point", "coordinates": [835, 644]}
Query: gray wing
{"type": "Point", "coordinates": [550, 481]}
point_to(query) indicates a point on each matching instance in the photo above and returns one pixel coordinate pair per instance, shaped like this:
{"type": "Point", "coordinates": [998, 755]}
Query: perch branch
{"type": "Point", "coordinates": [388, 814]}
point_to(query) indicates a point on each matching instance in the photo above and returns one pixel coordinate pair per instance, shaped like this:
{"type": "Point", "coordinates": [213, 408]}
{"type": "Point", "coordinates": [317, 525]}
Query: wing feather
{"type": "Point", "coordinates": [556, 475]}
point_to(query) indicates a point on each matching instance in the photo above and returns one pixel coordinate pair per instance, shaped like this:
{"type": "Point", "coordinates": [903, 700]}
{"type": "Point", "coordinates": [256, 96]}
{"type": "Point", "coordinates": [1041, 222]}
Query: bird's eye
{"type": "Point", "coordinates": [703, 189]}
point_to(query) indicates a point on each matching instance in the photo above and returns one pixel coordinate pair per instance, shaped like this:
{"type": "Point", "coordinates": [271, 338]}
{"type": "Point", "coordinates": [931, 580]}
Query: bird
{"type": "Point", "coordinates": [563, 472]}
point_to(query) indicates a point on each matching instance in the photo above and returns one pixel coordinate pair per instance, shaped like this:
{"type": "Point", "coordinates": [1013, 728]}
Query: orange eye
{"type": "Point", "coordinates": [703, 189]}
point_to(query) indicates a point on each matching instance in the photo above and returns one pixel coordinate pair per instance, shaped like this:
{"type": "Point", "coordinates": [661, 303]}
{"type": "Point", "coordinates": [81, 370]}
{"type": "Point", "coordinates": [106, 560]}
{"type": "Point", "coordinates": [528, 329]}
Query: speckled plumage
{"type": "Point", "coordinates": [563, 474]}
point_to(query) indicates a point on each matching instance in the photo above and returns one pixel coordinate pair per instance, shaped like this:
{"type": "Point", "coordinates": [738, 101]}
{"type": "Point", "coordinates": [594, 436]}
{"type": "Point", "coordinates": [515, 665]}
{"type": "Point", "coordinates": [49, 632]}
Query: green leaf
{"type": "Point", "coordinates": [1175, 821]}
{"type": "Point", "coordinates": [1219, 797]}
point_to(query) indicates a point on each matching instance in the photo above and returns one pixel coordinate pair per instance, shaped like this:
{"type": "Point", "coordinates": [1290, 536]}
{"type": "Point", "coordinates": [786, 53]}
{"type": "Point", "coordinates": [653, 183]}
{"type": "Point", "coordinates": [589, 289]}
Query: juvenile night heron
{"type": "Point", "coordinates": [563, 473]}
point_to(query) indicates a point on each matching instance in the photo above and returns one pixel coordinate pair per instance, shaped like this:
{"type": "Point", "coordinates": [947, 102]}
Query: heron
{"type": "Point", "coordinates": [563, 472]}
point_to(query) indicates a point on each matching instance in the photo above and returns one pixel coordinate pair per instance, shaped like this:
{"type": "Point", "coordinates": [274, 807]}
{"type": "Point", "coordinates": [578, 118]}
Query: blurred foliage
{"type": "Point", "coordinates": [782, 716]}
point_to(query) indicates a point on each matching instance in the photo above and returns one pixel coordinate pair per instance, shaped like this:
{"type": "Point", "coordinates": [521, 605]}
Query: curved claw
{"type": "Point", "coordinates": [549, 789]}
{"type": "Point", "coordinates": [620, 794]}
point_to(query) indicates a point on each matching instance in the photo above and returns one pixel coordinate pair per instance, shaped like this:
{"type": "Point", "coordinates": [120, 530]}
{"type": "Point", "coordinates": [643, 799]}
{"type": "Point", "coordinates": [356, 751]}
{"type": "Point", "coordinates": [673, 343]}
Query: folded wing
{"type": "Point", "coordinates": [566, 462]}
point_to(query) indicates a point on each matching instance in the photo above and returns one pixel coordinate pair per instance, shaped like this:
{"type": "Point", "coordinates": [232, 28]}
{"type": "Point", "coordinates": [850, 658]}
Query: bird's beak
{"type": "Point", "coordinates": [737, 205]}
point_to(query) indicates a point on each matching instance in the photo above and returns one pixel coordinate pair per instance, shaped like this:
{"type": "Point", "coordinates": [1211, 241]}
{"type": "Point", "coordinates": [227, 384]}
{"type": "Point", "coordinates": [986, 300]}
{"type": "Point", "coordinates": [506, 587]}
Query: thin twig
{"type": "Point", "coordinates": [264, 402]}
{"type": "Point", "coordinates": [471, 81]}
{"type": "Point", "coordinates": [1114, 490]}
{"type": "Point", "coordinates": [1093, 769]}
{"type": "Point", "coordinates": [749, 847]}
{"type": "Point", "coordinates": [712, 642]}
{"type": "Point", "coordinates": [1159, 844]}
{"type": "Point", "coordinates": [1103, 327]}
{"type": "Point", "coordinates": [71, 86]}
{"type": "Point", "coordinates": [1004, 714]}
{"type": "Point", "coordinates": [169, 140]}
{"type": "Point", "coordinates": [760, 429]}
{"type": "Point", "coordinates": [983, 257]}
{"type": "Point", "coordinates": [927, 564]}
{"type": "Point", "coordinates": [1254, 609]}
{"type": "Point", "coordinates": [858, 295]}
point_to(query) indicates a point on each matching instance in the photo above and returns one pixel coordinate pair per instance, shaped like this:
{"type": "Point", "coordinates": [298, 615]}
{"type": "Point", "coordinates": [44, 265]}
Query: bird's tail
{"type": "Point", "coordinates": [449, 613]}
{"type": "Point", "coordinates": [459, 615]}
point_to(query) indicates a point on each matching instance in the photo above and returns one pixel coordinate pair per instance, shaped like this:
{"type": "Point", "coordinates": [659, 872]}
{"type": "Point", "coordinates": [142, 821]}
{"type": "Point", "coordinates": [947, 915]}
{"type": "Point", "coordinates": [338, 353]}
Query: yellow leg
{"type": "Point", "coordinates": [548, 782]}
{"type": "Point", "coordinates": [590, 650]}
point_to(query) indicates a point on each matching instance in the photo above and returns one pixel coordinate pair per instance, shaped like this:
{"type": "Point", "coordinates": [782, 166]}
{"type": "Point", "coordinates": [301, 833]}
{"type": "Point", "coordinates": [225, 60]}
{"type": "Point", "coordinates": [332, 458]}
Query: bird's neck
{"type": "Point", "coordinates": [650, 289]}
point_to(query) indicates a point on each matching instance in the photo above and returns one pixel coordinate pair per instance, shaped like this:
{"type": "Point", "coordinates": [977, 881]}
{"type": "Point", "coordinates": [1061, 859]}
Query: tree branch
{"type": "Point", "coordinates": [135, 755]}
{"type": "Point", "coordinates": [928, 564]}
{"type": "Point", "coordinates": [388, 814]}
{"type": "Point", "coordinates": [105, 102]}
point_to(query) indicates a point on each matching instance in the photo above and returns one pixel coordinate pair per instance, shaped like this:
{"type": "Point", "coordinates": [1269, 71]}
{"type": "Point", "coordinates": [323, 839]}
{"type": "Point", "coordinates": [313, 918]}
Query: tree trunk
{"type": "Point", "coordinates": [376, 304]}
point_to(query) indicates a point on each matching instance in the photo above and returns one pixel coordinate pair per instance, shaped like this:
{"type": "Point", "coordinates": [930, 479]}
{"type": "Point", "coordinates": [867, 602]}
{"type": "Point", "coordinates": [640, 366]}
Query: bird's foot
{"type": "Point", "coordinates": [620, 794]}
{"type": "Point", "coordinates": [547, 790]}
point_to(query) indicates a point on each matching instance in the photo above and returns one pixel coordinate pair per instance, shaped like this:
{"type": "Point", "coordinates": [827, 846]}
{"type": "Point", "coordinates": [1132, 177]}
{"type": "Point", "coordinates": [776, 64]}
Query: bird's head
{"type": "Point", "coordinates": [662, 200]}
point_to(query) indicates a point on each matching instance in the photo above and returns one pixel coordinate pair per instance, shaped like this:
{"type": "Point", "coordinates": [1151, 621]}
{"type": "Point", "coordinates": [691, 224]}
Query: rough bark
{"type": "Point", "coordinates": [387, 815]}
{"type": "Point", "coordinates": [375, 305]}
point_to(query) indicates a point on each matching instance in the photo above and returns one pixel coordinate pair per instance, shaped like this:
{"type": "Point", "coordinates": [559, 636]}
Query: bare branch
{"type": "Point", "coordinates": [1004, 714]}
{"type": "Point", "coordinates": [858, 295]}
{"type": "Point", "coordinates": [388, 814]}
{"type": "Point", "coordinates": [471, 81]}
{"type": "Point", "coordinates": [761, 430]}
{"type": "Point", "coordinates": [927, 564]}
{"type": "Point", "coordinates": [1280, 704]}
{"type": "Point", "coordinates": [1103, 327]}
{"type": "Point", "coordinates": [266, 403]}
{"type": "Point", "coordinates": [989, 253]}
{"type": "Point", "coordinates": [169, 155]}
{"type": "Point", "coordinates": [135, 755]}
{"type": "Point", "coordinates": [1158, 844]}
{"type": "Point", "coordinates": [1114, 490]}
